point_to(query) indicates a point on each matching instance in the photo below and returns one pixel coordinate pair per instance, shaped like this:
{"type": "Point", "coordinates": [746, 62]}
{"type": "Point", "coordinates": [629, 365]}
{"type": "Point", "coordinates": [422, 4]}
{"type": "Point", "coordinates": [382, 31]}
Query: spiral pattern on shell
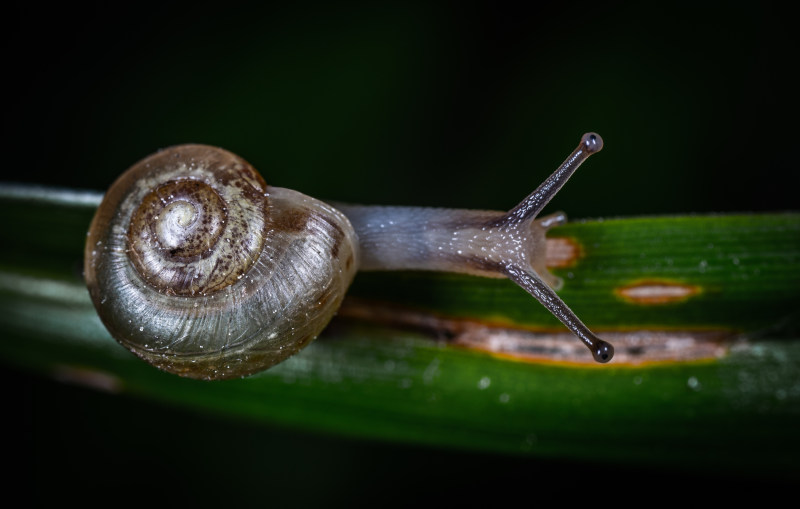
{"type": "Point", "coordinates": [198, 267]}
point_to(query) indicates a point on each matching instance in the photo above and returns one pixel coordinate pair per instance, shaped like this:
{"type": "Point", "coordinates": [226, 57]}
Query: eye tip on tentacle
{"type": "Point", "coordinates": [592, 142]}
{"type": "Point", "coordinates": [603, 351]}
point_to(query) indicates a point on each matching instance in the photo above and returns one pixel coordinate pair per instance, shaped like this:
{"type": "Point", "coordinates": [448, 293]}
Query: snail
{"type": "Point", "coordinates": [200, 268]}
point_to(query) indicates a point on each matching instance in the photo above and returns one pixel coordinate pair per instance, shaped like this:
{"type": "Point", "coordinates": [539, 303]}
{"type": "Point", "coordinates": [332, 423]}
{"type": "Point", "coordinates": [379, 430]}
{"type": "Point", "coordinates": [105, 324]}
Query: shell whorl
{"type": "Point", "coordinates": [197, 266]}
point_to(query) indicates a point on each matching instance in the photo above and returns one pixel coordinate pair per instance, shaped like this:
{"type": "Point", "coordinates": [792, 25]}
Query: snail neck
{"type": "Point", "coordinates": [477, 242]}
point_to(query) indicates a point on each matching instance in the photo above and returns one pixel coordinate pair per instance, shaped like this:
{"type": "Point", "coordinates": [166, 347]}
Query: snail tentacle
{"type": "Point", "coordinates": [482, 243]}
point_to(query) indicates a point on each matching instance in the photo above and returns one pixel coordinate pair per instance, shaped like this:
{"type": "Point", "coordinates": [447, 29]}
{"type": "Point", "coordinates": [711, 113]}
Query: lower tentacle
{"type": "Point", "coordinates": [602, 351]}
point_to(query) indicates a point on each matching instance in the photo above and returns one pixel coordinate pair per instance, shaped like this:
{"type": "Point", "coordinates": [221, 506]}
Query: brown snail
{"type": "Point", "coordinates": [200, 268]}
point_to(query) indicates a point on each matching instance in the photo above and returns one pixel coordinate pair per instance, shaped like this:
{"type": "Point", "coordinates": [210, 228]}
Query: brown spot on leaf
{"type": "Point", "coordinates": [631, 348]}
{"type": "Point", "coordinates": [562, 252]}
{"type": "Point", "coordinates": [653, 292]}
{"type": "Point", "coordinates": [513, 342]}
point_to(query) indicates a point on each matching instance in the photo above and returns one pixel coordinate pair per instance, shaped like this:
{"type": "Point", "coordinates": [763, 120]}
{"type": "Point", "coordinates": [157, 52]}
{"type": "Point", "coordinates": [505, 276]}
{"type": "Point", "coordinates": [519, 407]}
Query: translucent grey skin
{"type": "Point", "coordinates": [482, 243]}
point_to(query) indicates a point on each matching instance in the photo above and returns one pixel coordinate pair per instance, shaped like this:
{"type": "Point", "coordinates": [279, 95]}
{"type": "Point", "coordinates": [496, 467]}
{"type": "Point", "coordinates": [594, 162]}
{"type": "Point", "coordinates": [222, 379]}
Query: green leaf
{"type": "Point", "coordinates": [738, 272]}
{"type": "Point", "coordinates": [394, 381]}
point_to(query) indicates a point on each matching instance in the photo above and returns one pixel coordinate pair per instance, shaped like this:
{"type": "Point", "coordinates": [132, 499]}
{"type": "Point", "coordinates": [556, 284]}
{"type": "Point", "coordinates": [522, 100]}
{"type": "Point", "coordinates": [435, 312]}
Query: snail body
{"type": "Point", "coordinates": [200, 268]}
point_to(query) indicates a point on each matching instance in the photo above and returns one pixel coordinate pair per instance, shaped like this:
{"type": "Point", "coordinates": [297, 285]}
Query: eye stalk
{"type": "Point", "coordinates": [530, 278]}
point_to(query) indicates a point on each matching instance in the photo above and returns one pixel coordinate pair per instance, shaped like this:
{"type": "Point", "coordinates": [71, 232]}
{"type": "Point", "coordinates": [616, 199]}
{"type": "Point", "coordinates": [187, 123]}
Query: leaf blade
{"type": "Point", "coordinates": [386, 383]}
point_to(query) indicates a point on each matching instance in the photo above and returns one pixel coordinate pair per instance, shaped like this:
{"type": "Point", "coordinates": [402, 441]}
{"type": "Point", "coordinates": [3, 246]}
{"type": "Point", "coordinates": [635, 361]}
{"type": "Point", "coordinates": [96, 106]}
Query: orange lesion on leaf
{"type": "Point", "coordinates": [653, 292]}
{"type": "Point", "coordinates": [631, 347]}
{"type": "Point", "coordinates": [500, 338]}
{"type": "Point", "coordinates": [562, 252]}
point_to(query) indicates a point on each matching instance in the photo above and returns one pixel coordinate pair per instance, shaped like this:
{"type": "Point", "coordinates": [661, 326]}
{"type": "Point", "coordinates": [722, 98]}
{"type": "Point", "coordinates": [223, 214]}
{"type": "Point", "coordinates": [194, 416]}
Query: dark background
{"type": "Point", "coordinates": [448, 104]}
{"type": "Point", "coordinates": [445, 104]}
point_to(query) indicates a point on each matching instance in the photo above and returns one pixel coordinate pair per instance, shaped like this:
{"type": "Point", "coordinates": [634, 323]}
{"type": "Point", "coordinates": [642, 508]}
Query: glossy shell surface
{"type": "Point", "coordinates": [201, 269]}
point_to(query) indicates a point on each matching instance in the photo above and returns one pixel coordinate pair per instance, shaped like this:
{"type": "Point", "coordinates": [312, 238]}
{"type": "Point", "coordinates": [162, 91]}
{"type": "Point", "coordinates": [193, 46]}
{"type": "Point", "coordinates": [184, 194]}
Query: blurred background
{"type": "Point", "coordinates": [449, 104]}
{"type": "Point", "coordinates": [440, 104]}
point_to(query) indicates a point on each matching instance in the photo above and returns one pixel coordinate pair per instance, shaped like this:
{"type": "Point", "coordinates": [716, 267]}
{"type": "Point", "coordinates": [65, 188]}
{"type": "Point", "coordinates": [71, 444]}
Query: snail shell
{"type": "Point", "coordinates": [198, 267]}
